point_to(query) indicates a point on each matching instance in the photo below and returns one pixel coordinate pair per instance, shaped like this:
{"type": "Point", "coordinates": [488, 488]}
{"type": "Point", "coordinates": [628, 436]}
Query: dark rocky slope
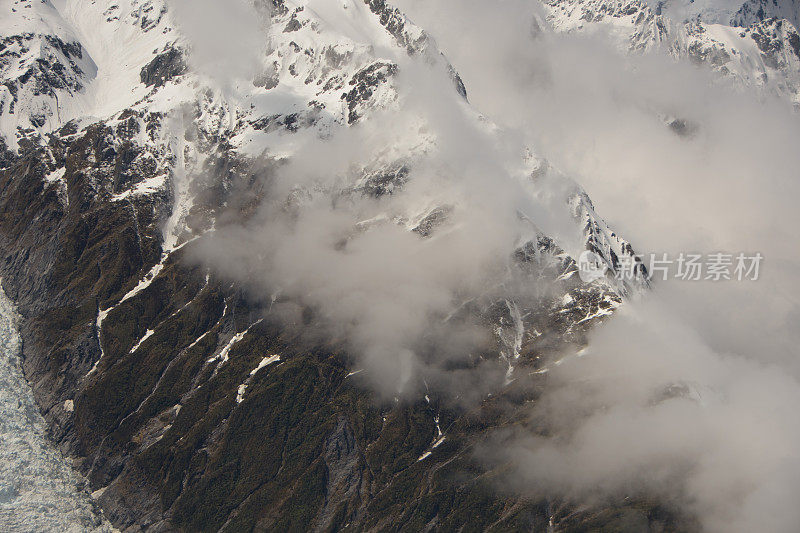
{"type": "Point", "coordinates": [123, 339]}
{"type": "Point", "coordinates": [159, 433]}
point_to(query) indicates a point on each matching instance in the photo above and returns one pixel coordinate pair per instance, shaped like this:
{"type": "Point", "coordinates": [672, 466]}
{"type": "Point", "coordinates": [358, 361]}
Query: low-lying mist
{"type": "Point", "coordinates": [689, 393]}
{"type": "Point", "coordinates": [392, 293]}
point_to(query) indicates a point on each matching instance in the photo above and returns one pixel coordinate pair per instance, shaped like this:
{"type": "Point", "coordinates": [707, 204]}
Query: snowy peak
{"type": "Point", "coordinates": [41, 58]}
{"type": "Point", "coordinates": [73, 59]}
{"type": "Point", "coordinates": [176, 125]}
{"type": "Point", "coordinates": [754, 11]}
{"type": "Point", "coordinates": [759, 49]}
{"type": "Point", "coordinates": [730, 13]}
{"type": "Point", "coordinates": [78, 59]}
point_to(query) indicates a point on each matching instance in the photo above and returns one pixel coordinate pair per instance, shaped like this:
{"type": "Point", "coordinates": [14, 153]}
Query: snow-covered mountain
{"type": "Point", "coordinates": [756, 43]}
{"type": "Point", "coordinates": [323, 67]}
{"type": "Point", "coordinates": [128, 141]}
{"type": "Point", "coordinates": [734, 13]}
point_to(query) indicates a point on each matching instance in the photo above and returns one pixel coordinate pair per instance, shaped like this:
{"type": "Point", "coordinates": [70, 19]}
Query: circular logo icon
{"type": "Point", "coordinates": [591, 266]}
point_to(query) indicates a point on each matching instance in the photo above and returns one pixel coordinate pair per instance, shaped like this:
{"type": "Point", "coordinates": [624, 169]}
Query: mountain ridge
{"type": "Point", "coordinates": [182, 383]}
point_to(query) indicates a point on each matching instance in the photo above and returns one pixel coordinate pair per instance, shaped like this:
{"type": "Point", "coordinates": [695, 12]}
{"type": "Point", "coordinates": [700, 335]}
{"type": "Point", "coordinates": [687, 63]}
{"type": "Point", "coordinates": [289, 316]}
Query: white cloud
{"type": "Point", "coordinates": [689, 394]}
{"type": "Point", "coordinates": [727, 444]}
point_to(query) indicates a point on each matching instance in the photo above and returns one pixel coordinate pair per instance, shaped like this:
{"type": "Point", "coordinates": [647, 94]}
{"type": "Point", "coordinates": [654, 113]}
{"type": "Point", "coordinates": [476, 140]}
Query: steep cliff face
{"type": "Point", "coordinates": [278, 436]}
{"type": "Point", "coordinates": [183, 398]}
